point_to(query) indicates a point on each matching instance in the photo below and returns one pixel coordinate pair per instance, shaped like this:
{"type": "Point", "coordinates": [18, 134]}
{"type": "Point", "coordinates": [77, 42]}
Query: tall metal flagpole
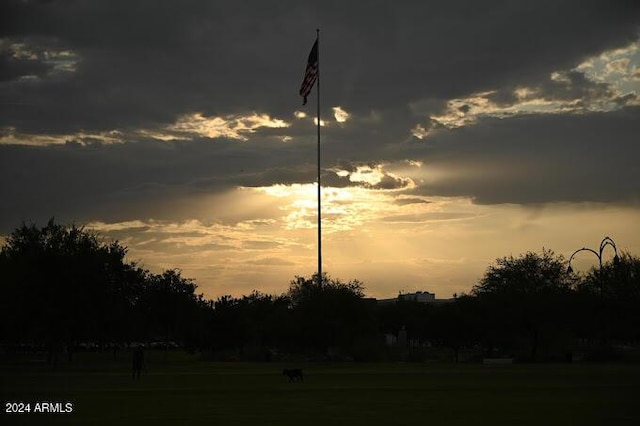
{"type": "Point", "coordinates": [319, 183]}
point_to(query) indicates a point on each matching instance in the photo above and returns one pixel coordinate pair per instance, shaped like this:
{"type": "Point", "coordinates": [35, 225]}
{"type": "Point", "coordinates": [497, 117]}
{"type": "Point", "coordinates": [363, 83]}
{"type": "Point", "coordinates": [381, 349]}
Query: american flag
{"type": "Point", "coordinates": [311, 74]}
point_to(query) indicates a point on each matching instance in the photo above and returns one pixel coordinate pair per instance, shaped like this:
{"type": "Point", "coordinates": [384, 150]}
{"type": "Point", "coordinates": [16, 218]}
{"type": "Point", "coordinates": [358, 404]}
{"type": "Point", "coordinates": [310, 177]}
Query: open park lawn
{"type": "Point", "coordinates": [176, 390]}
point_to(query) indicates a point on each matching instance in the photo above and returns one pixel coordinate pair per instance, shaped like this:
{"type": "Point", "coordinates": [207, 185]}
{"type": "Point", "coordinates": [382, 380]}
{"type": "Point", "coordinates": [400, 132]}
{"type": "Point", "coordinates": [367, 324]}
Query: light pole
{"type": "Point", "coordinates": [606, 241]}
{"type": "Point", "coordinates": [601, 311]}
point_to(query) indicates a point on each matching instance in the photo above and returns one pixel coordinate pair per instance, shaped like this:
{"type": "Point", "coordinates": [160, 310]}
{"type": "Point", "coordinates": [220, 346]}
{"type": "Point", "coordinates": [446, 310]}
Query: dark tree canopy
{"type": "Point", "coordinates": [329, 313]}
{"type": "Point", "coordinates": [62, 285]}
{"type": "Point", "coordinates": [526, 275]}
{"type": "Point", "coordinates": [611, 295]}
{"type": "Point", "coordinates": [63, 282]}
{"type": "Point", "coordinates": [525, 303]}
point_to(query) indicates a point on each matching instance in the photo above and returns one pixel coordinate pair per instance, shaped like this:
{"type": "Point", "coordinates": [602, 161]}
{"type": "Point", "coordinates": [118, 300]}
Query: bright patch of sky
{"type": "Point", "coordinates": [186, 127]}
{"type": "Point", "coordinates": [343, 209]}
{"type": "Point", "coordinates": [614, 76]}
{"type": "Point", "coordinates": [11, 136]}
{"type": "Point", "coordinates": [619, 68]}
{"type": "Point", "coordinates": [340, 114]}
{"type": "Point", "coordinates": [59, 60]}
{"type": "Point", "coordinates": [233, 127]}
{"type": "Point", "coordinates": [388, 232]}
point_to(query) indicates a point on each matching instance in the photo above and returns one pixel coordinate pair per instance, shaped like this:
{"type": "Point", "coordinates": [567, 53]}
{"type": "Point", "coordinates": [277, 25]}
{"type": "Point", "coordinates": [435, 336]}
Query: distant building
{"type": "Point", "coordinates": [418, 296]}
{"type": "Point", "coordinates": [402, 338]}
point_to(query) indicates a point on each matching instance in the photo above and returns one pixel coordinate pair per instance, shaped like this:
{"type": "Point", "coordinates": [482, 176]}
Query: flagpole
{"type": "Point", "coordinates": [319, 182]}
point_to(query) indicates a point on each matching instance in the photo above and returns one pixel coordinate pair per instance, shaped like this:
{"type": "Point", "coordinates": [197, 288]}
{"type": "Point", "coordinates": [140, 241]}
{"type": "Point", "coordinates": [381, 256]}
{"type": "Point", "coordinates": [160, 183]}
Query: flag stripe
{"type": "Point", "coordinates": [311, 73]}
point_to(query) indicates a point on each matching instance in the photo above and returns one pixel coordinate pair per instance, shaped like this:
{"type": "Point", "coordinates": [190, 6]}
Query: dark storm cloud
{"type": "Point", "coordinates": [426, 217]}
{"type": "Point", "coordinates": [147, 62]}
{"type": "Point", "coordinates": [540, 159]}
{"type": "Point", "coordinates": [570, 86]}
{"type": "Point", "coordinates": [408, 201]}
{"type": "Point", "coordinates": [138, 65]}
{"type": "Point", "coordinates": [12, 68]}
{"type": "Point", "coordinates": [147, 179]}
{"type": "Point", "coordinates": [531, 159]}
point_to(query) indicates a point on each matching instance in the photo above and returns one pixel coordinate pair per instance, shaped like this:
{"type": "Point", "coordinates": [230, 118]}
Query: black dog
{"type": "Point", "coordinates": [294, 375]}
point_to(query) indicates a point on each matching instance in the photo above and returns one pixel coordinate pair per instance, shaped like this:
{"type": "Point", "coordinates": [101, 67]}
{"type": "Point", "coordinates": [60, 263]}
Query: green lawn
{"type": "Point", "coordinates": [177, 390]}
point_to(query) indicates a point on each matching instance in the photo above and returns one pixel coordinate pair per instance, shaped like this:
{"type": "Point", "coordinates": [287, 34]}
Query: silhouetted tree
{"type": "Point", "coordinates": [610, 299]}
{"type": "Point", "coordinates": [250, 327]}
{"type": "Point", "coordinates": [329, 314]}
{"type": "Point", "coordinates": [415, 317]}
{"type": "Point", "coordinates": [525, 302]}
{"type": "Point", "coordinates": [171, 308]}
{"type": "Point", "coordinates": [457, 324]}
{"type": "Point", "coordinates": [226, 324]}
{"type": "Point", "coordinates": [62, 284]}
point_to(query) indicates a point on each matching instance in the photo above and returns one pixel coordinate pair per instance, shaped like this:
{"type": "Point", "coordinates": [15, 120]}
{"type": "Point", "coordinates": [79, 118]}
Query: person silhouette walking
{"type": "Point", "coordinates": [137, 362]}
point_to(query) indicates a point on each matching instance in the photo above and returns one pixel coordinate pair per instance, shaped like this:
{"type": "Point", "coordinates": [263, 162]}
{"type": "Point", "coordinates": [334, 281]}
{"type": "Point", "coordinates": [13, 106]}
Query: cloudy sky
{"type": "Point", "coordinates": [454, 133]}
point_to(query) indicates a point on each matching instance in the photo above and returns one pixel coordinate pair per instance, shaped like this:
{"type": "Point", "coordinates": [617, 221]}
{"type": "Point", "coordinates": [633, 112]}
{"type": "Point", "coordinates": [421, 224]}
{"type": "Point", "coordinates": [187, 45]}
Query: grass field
{"type": "Point", "coordinates": [177, 390]}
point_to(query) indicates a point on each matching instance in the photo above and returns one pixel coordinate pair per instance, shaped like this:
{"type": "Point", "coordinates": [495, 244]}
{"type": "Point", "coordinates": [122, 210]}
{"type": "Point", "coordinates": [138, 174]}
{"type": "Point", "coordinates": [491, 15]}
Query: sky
{"type": "Point", "coordinates": [453, 133]}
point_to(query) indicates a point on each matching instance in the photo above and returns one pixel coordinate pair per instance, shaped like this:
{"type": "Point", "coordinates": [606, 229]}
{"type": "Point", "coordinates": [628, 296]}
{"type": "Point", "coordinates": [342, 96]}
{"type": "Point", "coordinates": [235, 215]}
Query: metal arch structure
{"type": "Point", "coordinates": [606, 241]}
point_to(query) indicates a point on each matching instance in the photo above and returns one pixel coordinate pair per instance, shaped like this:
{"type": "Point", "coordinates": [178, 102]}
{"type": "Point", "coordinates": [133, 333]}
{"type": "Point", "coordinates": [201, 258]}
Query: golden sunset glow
{"type": "Point", "coordinates": [234, 127]}
{"type": "Point", "coordinates": [340, 114]}
{"type": "Point", "coordinates": [11, 136]}
{"type": "Point", "coordinates": [442, 147]}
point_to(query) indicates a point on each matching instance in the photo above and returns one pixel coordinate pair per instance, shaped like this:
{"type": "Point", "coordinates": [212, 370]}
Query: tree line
{"type": "Point", "coordinates": [62, 285]}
